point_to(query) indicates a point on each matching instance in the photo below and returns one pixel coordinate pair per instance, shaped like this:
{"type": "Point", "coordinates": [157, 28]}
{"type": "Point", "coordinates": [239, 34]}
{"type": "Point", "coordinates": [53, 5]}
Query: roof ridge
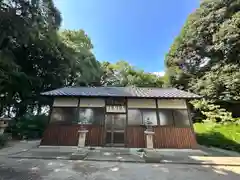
{"type": "Point", "coordinates": [118, 87]}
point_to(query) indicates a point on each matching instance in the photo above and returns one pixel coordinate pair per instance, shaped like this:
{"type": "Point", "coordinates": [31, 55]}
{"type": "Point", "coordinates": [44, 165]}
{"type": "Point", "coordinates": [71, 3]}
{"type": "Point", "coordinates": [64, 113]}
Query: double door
{"type": "Point", "coordinates": [115, 129]}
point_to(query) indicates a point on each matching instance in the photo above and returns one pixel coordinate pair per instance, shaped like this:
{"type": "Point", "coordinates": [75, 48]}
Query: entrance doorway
{"type": "Point", "coordinates": [115, 129]}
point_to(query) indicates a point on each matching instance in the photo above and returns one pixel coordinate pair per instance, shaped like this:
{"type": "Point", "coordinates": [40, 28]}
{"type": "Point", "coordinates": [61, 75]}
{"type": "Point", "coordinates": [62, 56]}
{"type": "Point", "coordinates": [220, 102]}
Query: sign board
{"type": "Point", "coordinates": [116, 109]}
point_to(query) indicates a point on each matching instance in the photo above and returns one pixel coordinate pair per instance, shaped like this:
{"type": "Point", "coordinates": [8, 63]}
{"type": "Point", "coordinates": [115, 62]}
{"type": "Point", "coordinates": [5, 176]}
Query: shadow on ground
{"type": "Point", "coordinates": [218, 140]}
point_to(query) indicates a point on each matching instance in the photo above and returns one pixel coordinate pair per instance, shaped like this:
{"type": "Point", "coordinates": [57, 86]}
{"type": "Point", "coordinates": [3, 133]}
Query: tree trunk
{"type": "Point", "coordinates": [32, 108]}
{"type": "Point", "coordinates": [39, 110]}
{"type": "Point", "coordinates": [22, 109]}
{"type": "Point", "coordinates": [9, 111]}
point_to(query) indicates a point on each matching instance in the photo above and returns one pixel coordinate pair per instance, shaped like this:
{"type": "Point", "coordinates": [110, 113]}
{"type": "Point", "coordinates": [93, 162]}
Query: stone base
{"type": "Point", "coordinates": [149, 139]}
{"type": "Point", "coordinates": [152, 157]}
{"type": "Point", "coordinates": [82, 138]}
{"type": "Point", "coordinates": [79, 155]}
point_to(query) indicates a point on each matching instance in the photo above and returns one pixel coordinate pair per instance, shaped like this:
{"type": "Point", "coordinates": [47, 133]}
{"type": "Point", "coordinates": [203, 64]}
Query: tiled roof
{"type": "Point", "coordinates": [122, 92]}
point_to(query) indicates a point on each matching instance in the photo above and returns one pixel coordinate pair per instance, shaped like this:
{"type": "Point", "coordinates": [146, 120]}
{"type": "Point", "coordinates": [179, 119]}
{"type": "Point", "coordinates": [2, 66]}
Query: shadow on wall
{"type": "Point", "coordinates": [218, 140]}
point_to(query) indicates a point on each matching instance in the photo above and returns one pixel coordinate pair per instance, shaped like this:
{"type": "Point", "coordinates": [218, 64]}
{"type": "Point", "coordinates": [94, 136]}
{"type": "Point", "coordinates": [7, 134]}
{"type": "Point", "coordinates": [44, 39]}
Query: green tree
{"type": "Point", "coordinates": [123, 74]}
{"type": "Point", "coordinates": [205, 56]}
{"type": "Point", "coordinates": [27, 30]}
{"type": "Point", "coordinates": [85, 69]}
{"type": "Point", "coordinates": [36, 57]}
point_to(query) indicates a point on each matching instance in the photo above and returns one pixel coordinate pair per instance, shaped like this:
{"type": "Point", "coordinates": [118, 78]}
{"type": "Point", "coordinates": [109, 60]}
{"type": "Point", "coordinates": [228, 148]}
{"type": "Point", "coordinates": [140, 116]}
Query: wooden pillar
{"type": "Point", "coordinates": [77, 116]}
{"type": "Point", "coordinates": [126, 124]}
{"type": "Point", "coordinates": [190, 118]}
{"type": "Point", "coordinates": [158, 117]}
{"type": "Point", "coordinates": [104, 127]}
{"type": "Point", "coordinates": [50, 111]}
{"type": "Point", "coordinates": [191, 123]}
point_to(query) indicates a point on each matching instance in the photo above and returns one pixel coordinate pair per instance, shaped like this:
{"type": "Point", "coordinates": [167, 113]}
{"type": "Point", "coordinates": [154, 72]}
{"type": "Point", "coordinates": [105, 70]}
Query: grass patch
{"type": "Point", "coordinates": [218, 135]}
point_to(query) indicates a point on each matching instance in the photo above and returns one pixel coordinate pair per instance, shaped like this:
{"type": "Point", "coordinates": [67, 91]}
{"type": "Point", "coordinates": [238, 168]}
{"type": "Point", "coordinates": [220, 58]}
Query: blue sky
{"type": "Point", "coordinates": [138, 31]}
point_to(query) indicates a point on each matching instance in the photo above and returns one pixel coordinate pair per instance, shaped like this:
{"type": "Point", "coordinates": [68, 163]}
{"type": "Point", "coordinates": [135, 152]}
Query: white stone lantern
{"type": "Point", "coordinates": [149, 133]}
{"type": "Point", "coordinates": [82, 136]}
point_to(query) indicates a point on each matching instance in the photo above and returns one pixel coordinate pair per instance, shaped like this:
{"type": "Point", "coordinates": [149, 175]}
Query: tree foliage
{"type": "Point", "coordinates": [214, 113]}
{"type": "Point", "coordinates": [205, 57]}
{"type": "Point", "coordinates": [35, 57]}
{"type": "Point", "coordinates": [27, 31]}
{"type": "Point", "coordinates": [85, 70]}
{"type": "Point", "coordinates": [123, 74]}
{"type": "Point", "coordinates": [207, 49]}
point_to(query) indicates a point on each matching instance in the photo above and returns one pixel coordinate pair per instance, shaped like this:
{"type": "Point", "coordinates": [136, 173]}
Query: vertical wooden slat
{"type": "Point", "coordinates": [164, 137]}
{"type": "Point", "coordinates": [169, 137]}
{"type": "Point", "coordinates": [135, 136]}
{"type": "Point", "coordinates": [67, 135]}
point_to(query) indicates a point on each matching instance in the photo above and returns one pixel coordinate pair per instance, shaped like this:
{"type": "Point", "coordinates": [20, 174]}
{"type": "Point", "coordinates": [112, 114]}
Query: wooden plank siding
{"type": "Point", "coordinates": [67, 135]}
{"type": "Point", "coordinates": [164, 137]}
{"type": "Point", "coordinates": [95, 136]}
{"type": "Point", "coordinates": [135, 137]}
{"type": "Point", "coordinates": [172, 137]}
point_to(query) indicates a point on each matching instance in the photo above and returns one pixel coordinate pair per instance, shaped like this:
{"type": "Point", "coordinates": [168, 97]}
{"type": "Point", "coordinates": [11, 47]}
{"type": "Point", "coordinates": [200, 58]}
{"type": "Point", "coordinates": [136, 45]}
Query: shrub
{"type": "Point", "coordinates": [212, 113]}
{"type": "Point", "coordinates": [29, 127]}
{"type": "Point", "coordinates": [3, 140]}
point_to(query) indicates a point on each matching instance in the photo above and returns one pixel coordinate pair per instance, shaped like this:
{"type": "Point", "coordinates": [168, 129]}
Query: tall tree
{"type": "Point", "coordinates": [205, 57]}
{"type": "Point", "coordinates": [36, 57]}
{"type": "Point", "coordinates": [27, 30]}
{"type": "Point", "coordinates": [85, 69]}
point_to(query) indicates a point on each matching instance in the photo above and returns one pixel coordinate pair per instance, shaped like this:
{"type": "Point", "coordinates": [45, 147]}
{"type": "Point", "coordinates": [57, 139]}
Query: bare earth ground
{"type": "Point", "coordinates": [26, 169]}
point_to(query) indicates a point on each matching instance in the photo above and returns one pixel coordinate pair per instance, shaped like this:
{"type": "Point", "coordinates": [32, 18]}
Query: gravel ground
{"type": "Point", "coordinates": [31, 169]}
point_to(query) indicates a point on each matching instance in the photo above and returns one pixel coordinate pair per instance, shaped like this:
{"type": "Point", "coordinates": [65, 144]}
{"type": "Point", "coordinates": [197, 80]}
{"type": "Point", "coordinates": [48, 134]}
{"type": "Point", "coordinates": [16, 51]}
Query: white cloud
{"type": "Point", "coordinates": [161, 73]}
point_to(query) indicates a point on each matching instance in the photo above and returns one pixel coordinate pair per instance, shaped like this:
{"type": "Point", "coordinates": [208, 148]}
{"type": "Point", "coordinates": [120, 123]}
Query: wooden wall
{"type": "Point", "coordinates": [164, 137]}
{"type": "Point", "coordinates": [135, 137]}
{"type": "Point", "coordinates": [95, 136]}
{"type": "Point", "coordinates": [67, 135]}
{"type": "Point", "coordinates": [172, 137]}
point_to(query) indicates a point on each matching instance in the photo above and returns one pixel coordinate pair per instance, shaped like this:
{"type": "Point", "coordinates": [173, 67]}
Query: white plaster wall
{"type": "Point", "coordinates": [141, 103]}
{"type": "Point", "coordinates": [65, 102]}
{"type": "Point", "coordinates": [92, 102]}
{"type": "Point", "coordinates": [172, 104]}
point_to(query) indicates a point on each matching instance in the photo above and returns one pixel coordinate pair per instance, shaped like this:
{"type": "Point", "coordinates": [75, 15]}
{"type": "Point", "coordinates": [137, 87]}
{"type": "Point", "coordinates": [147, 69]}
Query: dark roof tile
{"type": "Point", "coordinates": [121, 92]}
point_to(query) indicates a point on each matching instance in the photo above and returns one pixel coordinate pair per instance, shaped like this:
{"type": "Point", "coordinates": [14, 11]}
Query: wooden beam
{"type": "Point", "coordinates": [158, 117]}
{"type": "Point", "coordinates": [104, 135]}
{"type": "Point", "coordinates": [77, 115]}
{"type": "Point", "coordinates": [126, 124]}
{"type": "Point", "coordinates": [190, 119]}
{"type": "Point", "coordinates": [50, 112]}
